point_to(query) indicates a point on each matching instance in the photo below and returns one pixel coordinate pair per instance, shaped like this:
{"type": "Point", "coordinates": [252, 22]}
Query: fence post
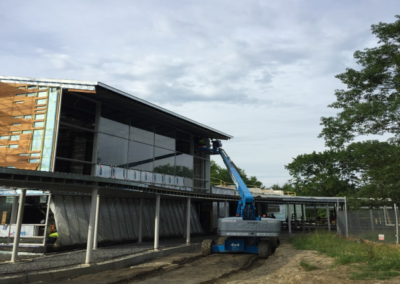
{"type": "Point", "coordinates": [372, 219]}
{"type": "Point", "coordinates": [397, 224]}
{"type": "Point", "coordinates": [345, 216]}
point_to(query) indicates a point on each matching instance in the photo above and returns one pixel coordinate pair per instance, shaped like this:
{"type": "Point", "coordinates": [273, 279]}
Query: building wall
{"type": "Point", "coordinates": [27, 125]}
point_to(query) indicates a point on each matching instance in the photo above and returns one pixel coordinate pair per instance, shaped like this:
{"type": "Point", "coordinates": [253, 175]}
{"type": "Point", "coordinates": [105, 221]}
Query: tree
{"type": "Point", "coordinates": [369, 105]}
{"type": "Point", "coordinates": [218, 173]}
{"type": "Point", "coordinates": [371, 102]}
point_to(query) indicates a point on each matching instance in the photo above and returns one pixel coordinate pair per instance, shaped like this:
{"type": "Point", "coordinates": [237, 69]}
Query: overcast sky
{"type": "Point", "coordinates": [261, 71]}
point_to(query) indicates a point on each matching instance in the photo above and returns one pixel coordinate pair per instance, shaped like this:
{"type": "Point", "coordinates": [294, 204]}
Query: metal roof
{"type": "Point", "coordinates": [90, 85]}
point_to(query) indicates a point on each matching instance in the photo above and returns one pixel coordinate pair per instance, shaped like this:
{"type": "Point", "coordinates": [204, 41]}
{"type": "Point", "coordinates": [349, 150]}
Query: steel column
{"type": "Point", "coordinates": [345, 216]}
{"type": "Point", "coordinates": [397, 223]}
{"type": "Point", "coordinates": [226, 208]}
{"type": "Point", "coordinates": [372, 219]}
{"type": "Point", "coordinates": [47, 219]}
{"type": "Point", "coordinates": [289, 218]}
{"type": "Point", "coordinates": [157, 223]}
{"type": "Point", "coordinates": [217, 210]}
{"type": "Point", "coordinates": [17, 235]}
{"type": "Point", "coordinates": [13, 216]}
{"type": "Point", "coordinates": [188, 221]}
{"type": "Point", "coordinates": [303, 220]}
{"type": "Point", "coordinates": [140, 220]}
{"type": "Point", "coordinates": [315, 216]}
{"type": "Point", "coordinates": [328, 217]}
{"type": "Point", "coordinates": [89, 247]}
{"type": "Point", "coordinates": [96, 222]}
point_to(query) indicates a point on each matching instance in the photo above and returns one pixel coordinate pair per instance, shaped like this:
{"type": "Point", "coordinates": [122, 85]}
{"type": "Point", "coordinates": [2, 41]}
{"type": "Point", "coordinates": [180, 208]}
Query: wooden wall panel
{"type": "Point", "coordinates": [14, 120]}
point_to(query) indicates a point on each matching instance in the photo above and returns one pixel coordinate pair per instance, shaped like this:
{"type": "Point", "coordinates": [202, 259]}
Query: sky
{"type": "Point", "coordinates": [262, 71]}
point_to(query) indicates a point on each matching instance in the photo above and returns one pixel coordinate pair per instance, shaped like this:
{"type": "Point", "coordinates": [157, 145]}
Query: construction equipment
{"type": "Point", "coordinates": [246, 232]}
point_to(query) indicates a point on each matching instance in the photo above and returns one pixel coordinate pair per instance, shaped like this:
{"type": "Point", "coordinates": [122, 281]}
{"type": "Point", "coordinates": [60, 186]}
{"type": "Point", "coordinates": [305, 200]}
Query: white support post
{"type": "Point", "coordinates": [157, 224]}
{"type": "Point", "coordinates": [89, 247]}
{"type": "Point", "coordinates": [17, 236]}
{"type": "Point", "coordinates": [96, 222]}
{"type": "Point", "coordinates": [188, 221]}
{"type": "Point", "coordinates": [226, 208]}
{"type": "Point", "coordinates": [289, 218]}
{"type": "Point", "coordinates": [328, 217]}
{"type": "Point", "coordinates": [46, 223]}
{"type": "Point", "coordinates": [140, 220]}
{"type": "Point", "coordinates": [13, 216]}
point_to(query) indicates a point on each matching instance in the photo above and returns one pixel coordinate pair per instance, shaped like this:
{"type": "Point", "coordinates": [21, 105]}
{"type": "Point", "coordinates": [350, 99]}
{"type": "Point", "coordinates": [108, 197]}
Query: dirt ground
{"type": "Point", "coordinates": [283, 267]}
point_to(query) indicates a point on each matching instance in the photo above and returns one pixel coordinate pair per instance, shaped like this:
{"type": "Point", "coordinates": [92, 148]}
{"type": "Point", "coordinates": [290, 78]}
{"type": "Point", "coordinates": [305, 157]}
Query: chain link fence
{"type": "Point", "coordinates": [378, 225]}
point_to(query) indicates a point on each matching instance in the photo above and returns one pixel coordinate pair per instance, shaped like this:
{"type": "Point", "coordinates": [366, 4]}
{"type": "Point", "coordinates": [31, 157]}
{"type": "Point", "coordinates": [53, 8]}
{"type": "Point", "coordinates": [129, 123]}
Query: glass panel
{"type": "Point", "coordinates": [77, 111]}
{"type": "Point", "coordinates": [4, 137]}
{"type": "Point", "coordinates": [112, 150]}
{"type": "Point", "coordinates": [114, 121]}
{"type": "Point", "coordinates": [15, 131]}
{"type": "Point", "coordinates": [31, 94]}
{"type": "Point", "coordinates": [164, 161]}
{"type": "Point", "coordinates": [20, 95]}
{"type": "Point", "coordinates": [2, 146]}
{"type": "Point", "coordinates": [19, 102]}
{"type": "Point", "coordinates": [183, 136]}
{"type": "Point", "coordinates": [26, 131]}
{"type": "Point", "coordinates": [38, 124]}
{"type": "Point", "coordinates": [35, 155]}
{"type": "Point", "coordinates": [34, 160]}
{"type": "Point", "coordinates": [32, 87]}
{"type": "Point", "coordinates": [42, 87]}
{"type": "Point", "coordinates": [42, 94]}
{"type": "Point", "coordinates": [184, 165]}
{"type": "Point", "coordinates": [183, 146]}
{"type": "Point", "coordinates": [199, 168]}
{"type": "Point", "coordinates": [37, 116]}
{"type": "Point", "coordinates": [25, 154]}
{"type": "Point", "coordinates": [27, 116]}
{"type": "Point", "coordinates": [17, 116]}
{"type": "Point", "coordinates": [14, 146]}
{"type": "Point", "coordinates": [75, 144]}
{"type": "Point", "coordinates": [49, 133]}
{"type": "Point", "coordinates": [140, 156]}
{"type": "Point", "coordinates": [72, 167]}
{"type": "Point", "coordinates": [164, 142]}
{"type": "Point", "coordinates": [141, 130]}
{"type": "Point", "coordinates": [37, 140]}
{"type": "Point", "coordinates": [14, 137]}
{"type": "Point", "coordinates": [16, 124]}
{"type": "Point", "coordinates": [41, 101]}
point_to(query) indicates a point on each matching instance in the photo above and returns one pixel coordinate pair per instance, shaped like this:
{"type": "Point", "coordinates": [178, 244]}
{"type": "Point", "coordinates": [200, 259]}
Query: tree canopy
{"type": "Point", "coordinates": [369, 105]}
{"type": "Point", "coordinates": [218, 173]}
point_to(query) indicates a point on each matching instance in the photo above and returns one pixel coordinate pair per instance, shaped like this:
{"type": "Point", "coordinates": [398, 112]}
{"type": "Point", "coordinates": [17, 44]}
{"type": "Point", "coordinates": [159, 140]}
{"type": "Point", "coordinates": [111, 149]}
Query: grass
{"type": "Point", "coordinates": [373, 261]}
{"type": "Point", "coordinates": [307, 266]}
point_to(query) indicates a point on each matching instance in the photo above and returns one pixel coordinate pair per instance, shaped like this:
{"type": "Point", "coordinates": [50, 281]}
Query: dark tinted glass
{"type": "Point", "coordinates": [184, 165]}
{"type": "Point", "coordinates": [77, 111]}
{"type": "Point", "coordinates": [72, 167]}
{"type": "Point", "coordinates": [183, 146]}
{"type": "Point", "coordinates": [164, 142]}
{"type": "Point", "coordinates": [74, 144]}
{"type": "Point", "coordinates": [140, 156]}
{"type": "Point", "coordinates": [164, 161]}
{"type": "Point", "coordinates": [114, 121]}
{"type": "Point", "coordinates": [112, 150]}
{"type": "Point", "coordinates": [199, 168]}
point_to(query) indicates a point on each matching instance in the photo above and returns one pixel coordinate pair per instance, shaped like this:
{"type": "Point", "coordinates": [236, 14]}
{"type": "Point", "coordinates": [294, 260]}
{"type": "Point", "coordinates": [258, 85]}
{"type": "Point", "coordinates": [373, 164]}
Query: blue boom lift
{"type": "Point", "coordinates": [246, 233]}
